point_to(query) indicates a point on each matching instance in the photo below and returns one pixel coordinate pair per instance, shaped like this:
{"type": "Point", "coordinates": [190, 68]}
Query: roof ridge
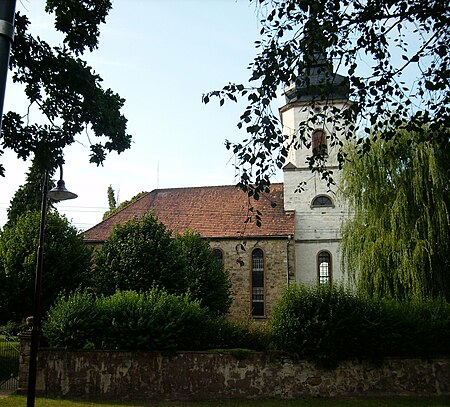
{"type": "Point", "coordinates": [205, 186]}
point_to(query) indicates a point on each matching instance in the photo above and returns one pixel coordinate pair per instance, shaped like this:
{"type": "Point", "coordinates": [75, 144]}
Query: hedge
{"type": "Point", "coordinates": [330, 324]}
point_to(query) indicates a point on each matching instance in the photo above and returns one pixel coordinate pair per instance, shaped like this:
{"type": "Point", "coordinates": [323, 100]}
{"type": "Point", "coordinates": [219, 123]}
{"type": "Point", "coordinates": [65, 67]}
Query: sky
{"type": "Point", "coordinates": [160, 56]}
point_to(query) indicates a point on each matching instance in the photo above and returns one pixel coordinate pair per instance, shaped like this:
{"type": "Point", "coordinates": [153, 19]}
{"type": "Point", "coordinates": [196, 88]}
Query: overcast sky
{"type": "Point", "coordinates": [161, 56]}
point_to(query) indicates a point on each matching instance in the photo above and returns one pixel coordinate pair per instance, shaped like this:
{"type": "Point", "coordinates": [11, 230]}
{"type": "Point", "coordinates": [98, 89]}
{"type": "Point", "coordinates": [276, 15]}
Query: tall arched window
{"type": "Point", "coordinates": [257, 283]}
{"type": "Point", "coordinates": [319, 142]}
{"type": "Point", "coordinates": [218, 254]}
{"type": "Point", "coordinates": [324, 267]}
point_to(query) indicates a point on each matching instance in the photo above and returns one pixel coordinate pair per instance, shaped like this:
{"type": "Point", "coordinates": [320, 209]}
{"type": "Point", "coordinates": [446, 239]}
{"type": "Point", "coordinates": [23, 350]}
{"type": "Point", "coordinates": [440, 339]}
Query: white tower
{"type": "Point", "coordinates": [309, 123]}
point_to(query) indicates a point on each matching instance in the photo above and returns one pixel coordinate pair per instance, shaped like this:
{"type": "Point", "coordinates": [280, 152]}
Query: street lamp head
{"type": "Point", "coordinates": [60, 193]}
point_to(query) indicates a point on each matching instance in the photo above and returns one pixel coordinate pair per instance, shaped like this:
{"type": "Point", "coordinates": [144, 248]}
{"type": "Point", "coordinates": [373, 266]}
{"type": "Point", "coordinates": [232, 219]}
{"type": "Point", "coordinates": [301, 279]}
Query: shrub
{"type": "Point", "coordinates": [13, 328]}
{"type": "Point", "coordinates": [416, 328]}
{"type": "Point", "coordinates": [142, 254]}
{"type": "Point", "coordinates": [138, 255]}
{"type": "Point", "coordinates": [128, 320]}
{"type": "Point", "coordinates": [206, 279]}
{"type": "Point", "coordinates": [154, 320]}
{"type": "Point", "coordinates": [318, 323]}
{"type": "Point", "coordinates": [73, 321]}
{"type": "Point", "coordinates": [239, 335]}
{"type": "Point", "coordinates": [330, 324]}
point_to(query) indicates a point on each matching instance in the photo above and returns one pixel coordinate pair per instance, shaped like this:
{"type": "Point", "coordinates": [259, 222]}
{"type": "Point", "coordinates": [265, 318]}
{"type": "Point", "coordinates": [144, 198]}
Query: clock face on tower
{"type": "Point", "coordinates": [319, 142]}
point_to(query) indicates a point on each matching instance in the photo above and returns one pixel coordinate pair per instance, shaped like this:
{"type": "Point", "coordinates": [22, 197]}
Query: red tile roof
{"type": "Point", "coordinates": [215, 212]}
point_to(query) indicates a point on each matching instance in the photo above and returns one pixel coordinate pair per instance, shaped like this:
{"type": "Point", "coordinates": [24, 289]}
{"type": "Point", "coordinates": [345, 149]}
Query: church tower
{"type": "Point", "coordinates": [312, 130]}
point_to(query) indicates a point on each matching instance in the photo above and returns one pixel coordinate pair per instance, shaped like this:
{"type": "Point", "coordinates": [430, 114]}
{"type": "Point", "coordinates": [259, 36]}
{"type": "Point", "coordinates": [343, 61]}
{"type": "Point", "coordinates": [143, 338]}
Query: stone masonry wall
{"type": "Point", "coordinates": [211, 375]}
{"type": "Point", "coordinates": [238, 262]}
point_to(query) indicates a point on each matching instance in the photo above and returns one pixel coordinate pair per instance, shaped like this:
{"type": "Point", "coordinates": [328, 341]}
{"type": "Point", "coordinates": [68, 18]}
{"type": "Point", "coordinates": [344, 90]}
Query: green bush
{"type": "Point", "coordinates": [73, 321]}
{"type": "Point", "coordinates": [239, 335]}
{"type": "Point", "coordinates": [67, 263]}
{"type": "Point", "coordinates": [13, 328]}
{"type": "Point", "coordinates": [330, 324]}
{"type": "Point", "coordinates": [138, 255]}
{"type": "Point", "coordinates": [416, 328]}
{"type": "Point", "coordinates": [206, 280]}
{"type": "Point", "coordinates": [142, 254]}
{"type": "Point", "coordinates": [152, 321]}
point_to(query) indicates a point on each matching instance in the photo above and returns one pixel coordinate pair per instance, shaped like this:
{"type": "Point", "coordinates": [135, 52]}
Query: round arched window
{"type": "Point", "coordinates": [322, 201]}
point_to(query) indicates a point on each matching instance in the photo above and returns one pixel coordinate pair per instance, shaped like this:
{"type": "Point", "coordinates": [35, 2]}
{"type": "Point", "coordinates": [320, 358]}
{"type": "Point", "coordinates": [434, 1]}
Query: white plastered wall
{"type": "Point", "coordinates": [316, 228]}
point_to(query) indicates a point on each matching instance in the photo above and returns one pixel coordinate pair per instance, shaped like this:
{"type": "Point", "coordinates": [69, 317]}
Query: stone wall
{"type": "Point", "coordinates": [279, 261]}
{"type": "Point", "coordinates": [211, 375]}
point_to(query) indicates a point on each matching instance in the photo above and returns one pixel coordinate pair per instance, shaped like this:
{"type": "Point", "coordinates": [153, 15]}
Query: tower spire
{"type": "Point", "coordinates": [316, 79]}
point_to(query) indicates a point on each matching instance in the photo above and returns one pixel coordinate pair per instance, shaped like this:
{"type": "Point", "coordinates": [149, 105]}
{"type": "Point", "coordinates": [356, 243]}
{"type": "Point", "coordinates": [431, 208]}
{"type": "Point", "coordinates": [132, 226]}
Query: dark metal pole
{"type": "Point", "coordinates": [7, 11]}
{"type": "Point", "coordinates": [31, 391]}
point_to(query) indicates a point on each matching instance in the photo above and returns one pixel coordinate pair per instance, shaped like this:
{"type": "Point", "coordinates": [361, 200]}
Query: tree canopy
{"type": "Point", "coordinates": [394, 53]}
{"type": "Point", "coordinates": [398, 241]}
{"type": "Point", "coordinates": [112, 203]}
{"type": "Point", "coordinates": [29, 195]}
{"type": "Point", "coordinates": [138, 255]}
{"type": "Point", "coordinates": [66, 263]}
{"type": "Point", "coordinates": [206, 279]}
{"type": "Point", "coordinates": [65, 89]}
{"type": "Point", "coordinates": [142, 254]}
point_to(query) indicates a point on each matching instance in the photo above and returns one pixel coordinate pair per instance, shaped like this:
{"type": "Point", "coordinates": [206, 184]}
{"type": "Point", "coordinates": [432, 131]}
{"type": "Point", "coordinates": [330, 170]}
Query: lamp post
{"type": "Point", "coordinates": [59, 193]}
{"type": "Point", "coordinates": [7, 10]}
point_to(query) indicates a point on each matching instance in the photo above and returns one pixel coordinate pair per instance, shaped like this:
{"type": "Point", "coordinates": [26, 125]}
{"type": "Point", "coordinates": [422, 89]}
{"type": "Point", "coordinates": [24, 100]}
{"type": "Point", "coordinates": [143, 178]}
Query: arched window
{"type": "Point", "coordinates": [257, 283]}
{"type": "Point", "coordinates": [322, 201]}
{"type": "Point", "coordinates": [319, 142]}
{"type": "Point", "coordinates": [324, 267]}
{"type": "Point", "coordinates": [218, 254]}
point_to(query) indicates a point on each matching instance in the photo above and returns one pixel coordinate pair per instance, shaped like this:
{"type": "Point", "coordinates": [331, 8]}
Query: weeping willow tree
{"type": "Point", "coordinates": [397, 244]}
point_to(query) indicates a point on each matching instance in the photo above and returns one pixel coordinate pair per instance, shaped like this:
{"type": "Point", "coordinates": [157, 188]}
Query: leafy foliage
{"type": "Point", "coordinates": [329, 324]}
{"type": "Point", "coordinates": [118, 208]}
{"type": "Point", "coordinates": [73, 321]}
{"type": "Point", "coordinates": [111, 198]}
{"type": "Point", "coordinates": [127, 320]}
{"type": "Point", "coordinates": [29, 196]}
{"type": "Point", "coordinates": [12, 328]}
{"type": "Point", "coordinates": [137, 256]}
{"type": "Point", "coordinates": [402, 84]}
{"type": "Point", "coordinates": [321, 324]}
{"type": "Point", "coordinates": [398, 241]}
{"type": "Point", "coordinates": [66, 263]}
{"type": "Point", "coordinates": [142, 254]}
{"type": "Point", "coordinates": [79, 21]}
{"type": "Point", "coordinates": [206, 280]}
{"type": "Point", "coordinates": [64, 88]}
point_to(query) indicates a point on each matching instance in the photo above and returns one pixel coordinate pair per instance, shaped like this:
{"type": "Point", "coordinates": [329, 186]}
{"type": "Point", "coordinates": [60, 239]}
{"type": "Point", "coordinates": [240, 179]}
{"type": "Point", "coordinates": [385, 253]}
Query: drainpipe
{"type": "Point", "coordinates": [287, 258]}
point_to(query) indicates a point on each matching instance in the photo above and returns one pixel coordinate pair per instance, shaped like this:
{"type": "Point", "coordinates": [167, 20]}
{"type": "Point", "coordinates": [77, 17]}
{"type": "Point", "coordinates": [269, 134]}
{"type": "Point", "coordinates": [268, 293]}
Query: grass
{"type": "Point", "coordinates": [19, 401]}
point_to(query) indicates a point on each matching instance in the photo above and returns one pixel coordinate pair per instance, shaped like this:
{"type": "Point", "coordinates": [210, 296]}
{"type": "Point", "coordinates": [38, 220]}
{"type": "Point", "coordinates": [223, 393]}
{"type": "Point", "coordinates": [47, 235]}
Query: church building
{"type": "Point", "coordinates": [298, 239]}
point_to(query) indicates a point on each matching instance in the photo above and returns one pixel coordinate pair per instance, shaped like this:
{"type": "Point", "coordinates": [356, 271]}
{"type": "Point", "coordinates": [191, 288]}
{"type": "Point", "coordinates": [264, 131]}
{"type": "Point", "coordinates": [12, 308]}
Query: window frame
{"type": "Point", "coordinates": [261, 289]}
{"type": "Point", "coordinates": [313, 205]}
{"type": "Point", "coordinates": [330, 267]}
{"type": "Point", "coordinates": [320, 148]}
{"type": "Point", "coordinates": [221, 259]}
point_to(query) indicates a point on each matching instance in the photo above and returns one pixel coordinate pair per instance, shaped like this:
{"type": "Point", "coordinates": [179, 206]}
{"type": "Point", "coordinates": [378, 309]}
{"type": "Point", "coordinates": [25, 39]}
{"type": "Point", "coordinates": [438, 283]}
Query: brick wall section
{"type": "Point", "coordinates": [279, 262]}
{"type": "Point", "coordinates": [211, 375]}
